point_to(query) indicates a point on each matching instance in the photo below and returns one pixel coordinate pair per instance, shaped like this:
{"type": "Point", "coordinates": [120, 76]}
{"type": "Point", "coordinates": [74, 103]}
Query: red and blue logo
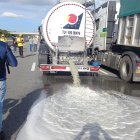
{"type": "Point", "coordinates": [74, 21]}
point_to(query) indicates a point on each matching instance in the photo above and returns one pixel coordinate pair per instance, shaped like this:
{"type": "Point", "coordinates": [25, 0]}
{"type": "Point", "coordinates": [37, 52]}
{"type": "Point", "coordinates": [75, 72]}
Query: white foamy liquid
{"type": "Point", "coordinates": [75, 73]}
{"type": "Point", "coordinates": [78, 113]}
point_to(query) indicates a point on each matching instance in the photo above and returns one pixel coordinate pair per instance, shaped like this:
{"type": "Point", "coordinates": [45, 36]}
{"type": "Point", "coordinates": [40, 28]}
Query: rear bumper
{"type": "Point", "coordinates": [66, 68]}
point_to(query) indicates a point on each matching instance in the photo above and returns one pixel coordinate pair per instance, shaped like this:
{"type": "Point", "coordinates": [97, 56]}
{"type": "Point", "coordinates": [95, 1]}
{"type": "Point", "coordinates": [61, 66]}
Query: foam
{"type": "Point", "coordinates": [78, 112]}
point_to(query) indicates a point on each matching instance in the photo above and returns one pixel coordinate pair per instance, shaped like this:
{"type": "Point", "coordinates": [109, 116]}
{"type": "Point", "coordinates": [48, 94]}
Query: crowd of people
{"type": "Point", "coordinates": [33, 43]}
{"type": "Point", "coordinates": [18, 42]}
{"type": "Point", "coordinates": [7, 59]}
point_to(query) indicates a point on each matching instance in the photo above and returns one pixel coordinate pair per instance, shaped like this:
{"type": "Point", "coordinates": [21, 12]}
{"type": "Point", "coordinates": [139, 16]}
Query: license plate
{"type": "Point", "coordinates": [83, 68]}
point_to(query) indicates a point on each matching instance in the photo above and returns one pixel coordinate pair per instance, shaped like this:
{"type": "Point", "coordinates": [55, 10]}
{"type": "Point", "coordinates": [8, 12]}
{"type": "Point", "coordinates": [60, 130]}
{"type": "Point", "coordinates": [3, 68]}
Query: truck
{"type": "Point", "coordinates": [117, 39]}
{"type": "Point", "coordinates": [67, 33]}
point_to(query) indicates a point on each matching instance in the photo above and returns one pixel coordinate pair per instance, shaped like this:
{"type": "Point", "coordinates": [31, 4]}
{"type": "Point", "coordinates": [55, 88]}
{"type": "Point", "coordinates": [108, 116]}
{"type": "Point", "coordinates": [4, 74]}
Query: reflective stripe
{"type": "Point", "coordinates": [3, 39]}
{"type": "Point", "coordinates": [20, 41]}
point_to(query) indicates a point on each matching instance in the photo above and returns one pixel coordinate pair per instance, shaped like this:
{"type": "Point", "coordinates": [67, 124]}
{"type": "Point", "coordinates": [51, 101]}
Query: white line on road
{"type": "Point", "coordinates": [33, 66]}
{"type": "Point", "coordinates": [103, 72]}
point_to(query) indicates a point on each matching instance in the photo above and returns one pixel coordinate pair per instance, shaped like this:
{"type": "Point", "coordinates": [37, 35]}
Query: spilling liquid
{"type": "Point", "coordinates": [75, 74]}
{"type": "Point", "coordinates": [79, 113]}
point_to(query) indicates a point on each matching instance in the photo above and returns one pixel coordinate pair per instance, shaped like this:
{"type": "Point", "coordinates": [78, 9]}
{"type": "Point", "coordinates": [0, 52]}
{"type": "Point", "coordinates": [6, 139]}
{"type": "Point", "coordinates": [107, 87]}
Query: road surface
{"type": "Point", "coordinates": [26, 83]}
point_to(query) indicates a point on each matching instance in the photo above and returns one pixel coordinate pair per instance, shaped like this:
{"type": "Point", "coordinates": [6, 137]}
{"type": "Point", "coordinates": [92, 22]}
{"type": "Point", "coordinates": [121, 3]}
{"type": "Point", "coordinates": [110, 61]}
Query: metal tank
{"type": "Point", "coordinates": [68, 31]}
{"type": "Point", "coordinates": [68, 26]}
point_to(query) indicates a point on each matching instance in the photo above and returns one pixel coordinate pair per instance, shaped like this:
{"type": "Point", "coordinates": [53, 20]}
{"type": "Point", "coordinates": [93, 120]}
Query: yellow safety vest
{"type": "Point", "coordinates": [20, 41]}
{"type": "Point", "coordinates": [3, 39]}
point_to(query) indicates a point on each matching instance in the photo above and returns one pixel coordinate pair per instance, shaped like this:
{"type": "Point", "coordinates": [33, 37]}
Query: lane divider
{"type": "Point", "coordinates": [103, 72]}
{"type": "Point", "coordinates": [33, 66]}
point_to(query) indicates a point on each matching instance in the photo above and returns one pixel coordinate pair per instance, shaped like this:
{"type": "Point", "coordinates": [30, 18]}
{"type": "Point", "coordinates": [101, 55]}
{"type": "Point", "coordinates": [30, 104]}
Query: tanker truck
{"type": "Point", "coordinates": [117, 39]}
{"type": "Point", "coordinates": [67, 33]}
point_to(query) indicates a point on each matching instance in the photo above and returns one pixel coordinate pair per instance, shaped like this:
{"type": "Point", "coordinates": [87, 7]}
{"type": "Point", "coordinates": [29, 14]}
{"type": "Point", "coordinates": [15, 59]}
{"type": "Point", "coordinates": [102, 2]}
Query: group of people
{"type": "Point", "coordinates": [33, 43]}
{"type": "Point", "coordinates": [17, 42]}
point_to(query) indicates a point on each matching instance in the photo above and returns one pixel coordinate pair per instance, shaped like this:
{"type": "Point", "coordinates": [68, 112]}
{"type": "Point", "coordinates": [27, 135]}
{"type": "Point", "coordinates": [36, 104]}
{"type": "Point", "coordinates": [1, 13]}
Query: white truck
{"type": "Point", "coordinates": [117, 39]}
{"type": "Point", "coordinates": [67, 32]}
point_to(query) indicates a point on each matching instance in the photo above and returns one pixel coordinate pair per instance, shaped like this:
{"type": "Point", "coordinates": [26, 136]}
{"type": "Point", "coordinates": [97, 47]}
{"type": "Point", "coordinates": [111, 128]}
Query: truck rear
{"type": "Point", "coordinates": [67, 33]}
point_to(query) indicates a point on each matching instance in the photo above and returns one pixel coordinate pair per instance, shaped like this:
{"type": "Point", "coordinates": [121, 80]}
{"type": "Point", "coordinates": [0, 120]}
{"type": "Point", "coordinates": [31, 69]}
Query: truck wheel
{"type": "Point", "coordinates": [42, 59]}
{"type": "Point", "coordinates": [126, 69]}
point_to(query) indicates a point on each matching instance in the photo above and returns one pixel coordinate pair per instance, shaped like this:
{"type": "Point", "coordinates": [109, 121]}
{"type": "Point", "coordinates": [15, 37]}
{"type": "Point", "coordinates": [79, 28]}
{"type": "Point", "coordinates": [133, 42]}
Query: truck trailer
{"type": "Point", "coordinates": [67, 33]}
{"type": "Point", "coordinates": [117, 39]}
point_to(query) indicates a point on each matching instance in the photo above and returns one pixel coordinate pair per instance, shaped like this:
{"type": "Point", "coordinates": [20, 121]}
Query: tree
{"type": "Point", "coordinates": [5, 32]}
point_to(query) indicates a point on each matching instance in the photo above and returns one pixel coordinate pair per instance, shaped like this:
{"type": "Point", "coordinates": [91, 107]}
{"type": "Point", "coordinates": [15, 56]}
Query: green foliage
{"type": "Point", "coordinates": [5, 32]}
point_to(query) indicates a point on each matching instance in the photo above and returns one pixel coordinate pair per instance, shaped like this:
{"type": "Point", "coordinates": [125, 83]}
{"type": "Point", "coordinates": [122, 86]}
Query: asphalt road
{"type": "Point", "coordinates": [25, 83]}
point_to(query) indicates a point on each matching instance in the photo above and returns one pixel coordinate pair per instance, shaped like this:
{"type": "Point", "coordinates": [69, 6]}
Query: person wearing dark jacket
{"type": "Point", "coordinates": [6, 58]}
{"type": "Point", "coordinates": [14, 44]}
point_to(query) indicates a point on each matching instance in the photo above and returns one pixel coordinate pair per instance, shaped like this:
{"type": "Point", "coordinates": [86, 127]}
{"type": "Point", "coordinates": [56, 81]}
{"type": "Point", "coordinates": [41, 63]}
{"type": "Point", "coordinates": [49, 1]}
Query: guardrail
{"type": "Point", "coordinates": [24, 33]}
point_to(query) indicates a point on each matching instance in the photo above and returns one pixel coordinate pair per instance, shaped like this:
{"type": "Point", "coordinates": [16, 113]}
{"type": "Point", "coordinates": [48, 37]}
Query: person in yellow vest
{"type": "Point", "coordinates": [20, 41]}
{"type": "Point", "coordinates": [3, 38]}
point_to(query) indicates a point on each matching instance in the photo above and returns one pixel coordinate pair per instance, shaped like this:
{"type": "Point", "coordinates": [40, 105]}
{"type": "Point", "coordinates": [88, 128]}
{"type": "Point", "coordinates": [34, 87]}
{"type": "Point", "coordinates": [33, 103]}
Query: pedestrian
{"type": "Point", "coordinates": [6, 57]}
{"type": "Point", "coordinates": [35, 43]}
{"type": "Point", "coordinates": [20, 41]}
{"type": "Point", "coordinates": [31, 44]}
{"type": "Point", "coordinates": [3, 38]}
{"type": "Point", "coordinates": [14, 44]}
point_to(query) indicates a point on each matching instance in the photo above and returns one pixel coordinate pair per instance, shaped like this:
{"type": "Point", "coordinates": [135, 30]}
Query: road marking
{"type": "Point", "coordinates": [103, 72]}
{"type": "Point", "coordinates": [33, 66]}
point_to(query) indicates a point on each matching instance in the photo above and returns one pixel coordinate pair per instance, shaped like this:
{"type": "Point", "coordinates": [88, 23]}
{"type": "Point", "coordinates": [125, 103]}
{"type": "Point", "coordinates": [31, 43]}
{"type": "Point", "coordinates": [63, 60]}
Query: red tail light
{"type": "Point", "coordinates": [43, 67]}
{"type": "Point", "coordinates": [94, 68]}
{"type": "Point", "coordinates": [138, 64]}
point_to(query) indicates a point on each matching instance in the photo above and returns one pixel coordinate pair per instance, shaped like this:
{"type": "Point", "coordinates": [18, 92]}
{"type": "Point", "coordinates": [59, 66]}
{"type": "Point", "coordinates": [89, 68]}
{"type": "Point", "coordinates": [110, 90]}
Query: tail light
{"type": "Point", "coordinates": [44, 67]}
{"type": "Point", "coordinates": [94, 68]}
{"type": "Point", "coordinates": [138, 64]}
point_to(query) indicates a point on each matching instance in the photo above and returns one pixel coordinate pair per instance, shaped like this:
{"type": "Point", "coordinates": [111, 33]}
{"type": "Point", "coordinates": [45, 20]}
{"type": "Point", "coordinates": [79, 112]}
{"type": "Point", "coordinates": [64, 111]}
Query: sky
{"type": "Point", "coordinates": [26, 15]}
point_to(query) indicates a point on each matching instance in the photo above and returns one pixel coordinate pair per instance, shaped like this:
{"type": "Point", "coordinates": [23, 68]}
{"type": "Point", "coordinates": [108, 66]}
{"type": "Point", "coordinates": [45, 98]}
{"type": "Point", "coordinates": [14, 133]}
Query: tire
{"type": "Point", "coordinates": [126, 69]}
{"type": "Point", "coordinates": [42, 59]}
{"type": "Point", "coordinates": [35, 47]}
{"type": "Point", "coordinates": [44, 56]}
